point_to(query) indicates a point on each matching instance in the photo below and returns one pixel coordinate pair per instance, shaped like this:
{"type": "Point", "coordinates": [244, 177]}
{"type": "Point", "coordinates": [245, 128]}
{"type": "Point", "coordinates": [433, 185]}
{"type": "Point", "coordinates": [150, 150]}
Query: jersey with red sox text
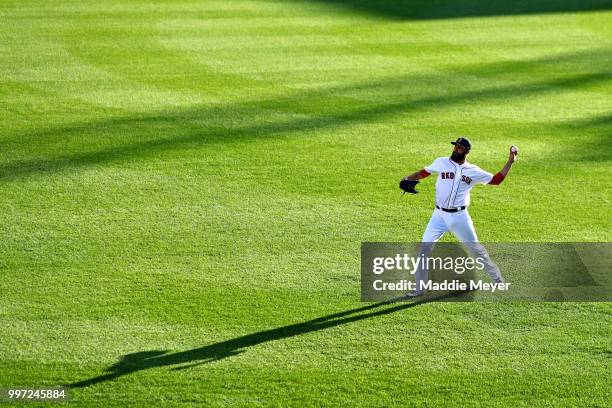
{"type": "Point", "coordinates": [455, 181]}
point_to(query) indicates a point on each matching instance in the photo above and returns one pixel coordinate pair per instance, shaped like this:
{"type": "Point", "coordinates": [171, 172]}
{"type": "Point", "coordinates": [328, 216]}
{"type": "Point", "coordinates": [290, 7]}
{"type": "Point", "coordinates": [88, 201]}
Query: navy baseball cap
{"type": "Point", "coordinates": [463, 142]}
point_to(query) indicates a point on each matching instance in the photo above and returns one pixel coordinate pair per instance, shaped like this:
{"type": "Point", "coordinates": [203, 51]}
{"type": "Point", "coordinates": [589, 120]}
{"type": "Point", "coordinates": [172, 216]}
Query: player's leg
{"type": "Point", "coordinates": [461, 225]}
{"type": "Point", "coordinates": [463, 228]}
{"type": "Point", "coordinates": [435, 229]}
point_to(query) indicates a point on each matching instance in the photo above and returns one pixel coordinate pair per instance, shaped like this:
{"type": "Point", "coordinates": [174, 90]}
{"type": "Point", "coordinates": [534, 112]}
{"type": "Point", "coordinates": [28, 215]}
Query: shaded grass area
{"type": "Point", "coordinates": [327, 120]}
{"type": "Point", "coordinates": [190, 182]}
{"type": "Point", "coordinates": [263, 118]}
{"type": "Point", "coordinates": [441, 9]}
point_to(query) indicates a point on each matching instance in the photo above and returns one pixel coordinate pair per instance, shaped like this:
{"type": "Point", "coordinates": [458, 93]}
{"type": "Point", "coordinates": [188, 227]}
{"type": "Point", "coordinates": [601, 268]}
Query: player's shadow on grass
{"type": "Point", "coordinates": [143, 360]}
{"type": "Point", "coordinates": [443, 9]}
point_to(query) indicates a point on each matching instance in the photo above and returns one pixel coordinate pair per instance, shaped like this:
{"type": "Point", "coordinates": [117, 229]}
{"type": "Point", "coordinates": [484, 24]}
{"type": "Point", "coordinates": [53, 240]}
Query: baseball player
{"type": "Point", "coordinates": [456, 178]}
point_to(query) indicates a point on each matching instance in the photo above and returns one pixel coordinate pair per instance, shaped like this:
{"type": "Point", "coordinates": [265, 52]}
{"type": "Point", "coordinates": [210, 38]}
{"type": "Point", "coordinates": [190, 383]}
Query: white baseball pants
{"type": "Point", "coordinates": [461, 225]}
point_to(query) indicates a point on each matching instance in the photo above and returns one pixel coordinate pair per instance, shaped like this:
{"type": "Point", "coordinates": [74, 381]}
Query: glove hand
{"type": "Point", "coordinates": [408, 186]}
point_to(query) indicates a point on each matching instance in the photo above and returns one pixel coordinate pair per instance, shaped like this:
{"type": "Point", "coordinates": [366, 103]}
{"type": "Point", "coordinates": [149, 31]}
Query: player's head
{"type": "Point", "coordinates": [461, 149]}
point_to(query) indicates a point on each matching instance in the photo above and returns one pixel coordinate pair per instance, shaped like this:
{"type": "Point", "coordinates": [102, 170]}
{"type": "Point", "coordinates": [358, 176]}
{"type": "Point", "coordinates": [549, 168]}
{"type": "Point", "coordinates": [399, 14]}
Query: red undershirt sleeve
{"type": "Point", "coordinates": [424, 173]}
{"type": "Point", "coordinates": [497, 179]}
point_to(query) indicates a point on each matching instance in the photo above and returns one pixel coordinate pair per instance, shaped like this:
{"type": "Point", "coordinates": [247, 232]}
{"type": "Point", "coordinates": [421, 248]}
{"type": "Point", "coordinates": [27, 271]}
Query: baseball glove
{"type": "Point", "coordinates": [408, 186]}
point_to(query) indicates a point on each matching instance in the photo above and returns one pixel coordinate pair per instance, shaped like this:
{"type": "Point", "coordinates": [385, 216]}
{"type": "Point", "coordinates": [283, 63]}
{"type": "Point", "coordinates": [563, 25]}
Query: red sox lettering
{"type": "Point", "coordinates": [447, 175]}
{"type": "Point", "coordinates": [466, 179]}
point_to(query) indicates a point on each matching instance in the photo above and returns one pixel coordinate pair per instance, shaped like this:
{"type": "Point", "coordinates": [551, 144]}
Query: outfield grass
{"type": "Point", "coordinates": [185, 187]}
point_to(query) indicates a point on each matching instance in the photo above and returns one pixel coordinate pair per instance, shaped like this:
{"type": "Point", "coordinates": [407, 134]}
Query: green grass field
{"type": "Point", "coordinates": [185, 187]}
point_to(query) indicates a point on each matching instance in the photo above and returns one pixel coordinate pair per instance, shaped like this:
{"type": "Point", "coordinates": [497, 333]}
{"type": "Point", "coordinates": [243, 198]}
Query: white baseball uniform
{"type": "Point", "coordinates": [453, 186]}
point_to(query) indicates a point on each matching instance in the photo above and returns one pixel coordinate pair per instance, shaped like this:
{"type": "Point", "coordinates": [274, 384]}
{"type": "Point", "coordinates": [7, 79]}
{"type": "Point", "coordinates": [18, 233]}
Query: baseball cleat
{"type": "Point", "coordinates": [499, 280]}
{"type": "Point", "coordinates": [415, 293]}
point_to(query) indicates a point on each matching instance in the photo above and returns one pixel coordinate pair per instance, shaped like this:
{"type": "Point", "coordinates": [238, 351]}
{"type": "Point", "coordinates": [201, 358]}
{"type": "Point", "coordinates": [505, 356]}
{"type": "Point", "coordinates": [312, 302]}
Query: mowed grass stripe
{"type": "Point", "coordinates": [196, 178]}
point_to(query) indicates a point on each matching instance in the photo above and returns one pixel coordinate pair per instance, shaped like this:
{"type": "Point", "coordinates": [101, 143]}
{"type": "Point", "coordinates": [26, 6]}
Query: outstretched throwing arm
{"type": "Point", "coordinates": [501, 175]}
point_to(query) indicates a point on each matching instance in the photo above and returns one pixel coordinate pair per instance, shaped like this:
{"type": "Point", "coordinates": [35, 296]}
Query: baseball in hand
{"type": "Point", "coordinates": [514, 151]}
